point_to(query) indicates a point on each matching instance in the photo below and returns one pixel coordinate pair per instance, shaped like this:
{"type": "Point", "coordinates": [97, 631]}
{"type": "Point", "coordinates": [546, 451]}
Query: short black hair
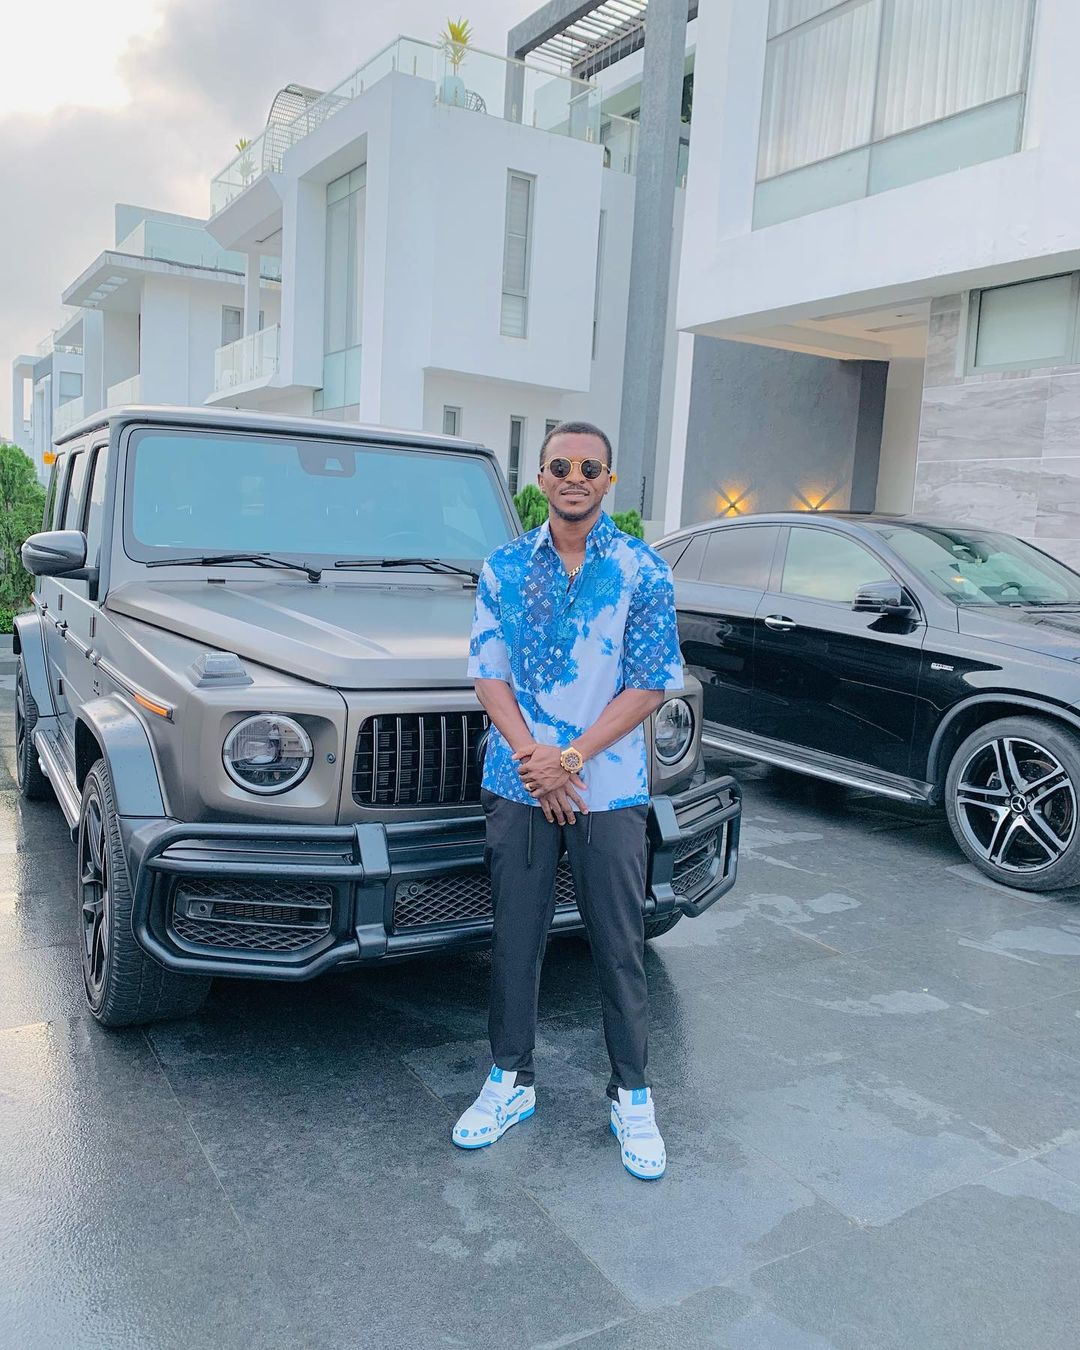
{"type": "Point", "coordinates": [575, 429]}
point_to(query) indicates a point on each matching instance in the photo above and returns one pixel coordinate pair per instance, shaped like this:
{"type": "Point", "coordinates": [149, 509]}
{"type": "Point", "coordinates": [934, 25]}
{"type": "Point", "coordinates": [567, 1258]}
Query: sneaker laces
{"type": "Point", "coordinates": [640, 1122]}
{"type": "Point", "coordinates": [494, 1099]}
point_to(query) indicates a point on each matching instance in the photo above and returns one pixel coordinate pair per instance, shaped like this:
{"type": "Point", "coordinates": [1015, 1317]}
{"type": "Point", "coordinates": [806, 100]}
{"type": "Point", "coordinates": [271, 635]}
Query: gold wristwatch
{"type": "Point", "coordinates": [572, 759]}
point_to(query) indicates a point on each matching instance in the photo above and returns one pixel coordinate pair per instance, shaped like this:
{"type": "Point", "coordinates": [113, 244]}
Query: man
{"type": "Point", "coordinates": [574, 642]}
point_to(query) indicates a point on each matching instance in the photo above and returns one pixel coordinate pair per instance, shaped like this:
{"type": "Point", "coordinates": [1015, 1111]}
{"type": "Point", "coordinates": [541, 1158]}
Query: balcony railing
{"type": "Point", "coordinates": [124, 391]}
{"type": "Point", "coordinates": [66, 415]}
{"type": "Point", "coordinates": [481, 82]}
{"type": "Point", "coordinates": [250, 358]}
{"type": "Point", "coordinates": [620, 138]}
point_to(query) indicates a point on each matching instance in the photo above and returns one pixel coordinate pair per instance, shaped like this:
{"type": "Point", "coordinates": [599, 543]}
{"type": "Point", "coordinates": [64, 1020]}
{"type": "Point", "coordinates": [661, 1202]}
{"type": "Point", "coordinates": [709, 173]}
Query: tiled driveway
{"type": "Point", "coordinates": [867, 1065]}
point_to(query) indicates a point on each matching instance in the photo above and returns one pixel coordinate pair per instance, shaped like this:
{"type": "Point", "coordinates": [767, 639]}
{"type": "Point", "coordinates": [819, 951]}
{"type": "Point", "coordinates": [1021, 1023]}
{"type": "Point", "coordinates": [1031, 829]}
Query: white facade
{"type": "Point", "coordinates": [46, 394]}
{"type": "Point", "coordinates": [911, 157]}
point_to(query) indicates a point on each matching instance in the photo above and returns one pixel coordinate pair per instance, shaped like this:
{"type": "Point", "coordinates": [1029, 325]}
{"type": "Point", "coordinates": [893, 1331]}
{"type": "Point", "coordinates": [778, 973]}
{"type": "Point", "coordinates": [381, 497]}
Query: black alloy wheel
{"type": "Point", "coordinates": [1011, 798]}
{"type": "Point", "coordinates": [33, 784]}
{"type": "Point", "coordinates": [94, 901]}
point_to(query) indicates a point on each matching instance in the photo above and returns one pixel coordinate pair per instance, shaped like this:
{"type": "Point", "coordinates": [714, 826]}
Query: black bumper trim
{"type": "Point", "coordinates": [363, 864]}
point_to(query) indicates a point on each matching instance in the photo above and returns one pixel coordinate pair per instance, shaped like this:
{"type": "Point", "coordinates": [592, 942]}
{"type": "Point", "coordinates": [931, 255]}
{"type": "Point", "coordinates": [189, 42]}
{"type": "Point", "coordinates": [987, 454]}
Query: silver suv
{"type": "Point", "coordinates": [244, 679]}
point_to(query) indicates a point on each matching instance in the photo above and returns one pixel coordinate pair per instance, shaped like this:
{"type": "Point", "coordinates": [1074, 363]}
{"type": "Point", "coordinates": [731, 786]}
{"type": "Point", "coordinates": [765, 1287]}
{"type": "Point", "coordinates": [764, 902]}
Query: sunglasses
{"type": "Point", "coordinates": [562, 468]}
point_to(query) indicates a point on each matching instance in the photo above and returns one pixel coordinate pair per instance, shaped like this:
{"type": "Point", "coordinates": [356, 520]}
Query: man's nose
{"type": "Point", "coordinates": [576, 471]}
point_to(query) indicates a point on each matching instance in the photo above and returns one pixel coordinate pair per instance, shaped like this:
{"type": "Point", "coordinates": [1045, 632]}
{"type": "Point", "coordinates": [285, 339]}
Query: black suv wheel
{"type": "Point", "coordinates": [33, 784]}
{"type": "Point", "coordinates": [124, 986]}
{"type": "Point", "coordinates": [1011, 795]}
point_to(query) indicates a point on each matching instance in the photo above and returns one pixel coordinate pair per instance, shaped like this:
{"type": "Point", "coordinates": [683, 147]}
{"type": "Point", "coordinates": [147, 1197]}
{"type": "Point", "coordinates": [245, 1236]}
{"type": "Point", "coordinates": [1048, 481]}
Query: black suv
{"type": "Point", "coordinates": [922, 661]}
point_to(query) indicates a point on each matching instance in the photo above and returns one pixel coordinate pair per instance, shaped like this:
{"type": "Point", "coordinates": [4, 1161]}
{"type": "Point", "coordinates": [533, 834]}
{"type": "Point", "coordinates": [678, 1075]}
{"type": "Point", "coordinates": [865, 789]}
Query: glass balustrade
{"type": "Point", "coordinates": [124, 391]}
{"type": "Point", "coordinates": [250, 358]}
{"type": "Point", "coordinates": [66, 415]}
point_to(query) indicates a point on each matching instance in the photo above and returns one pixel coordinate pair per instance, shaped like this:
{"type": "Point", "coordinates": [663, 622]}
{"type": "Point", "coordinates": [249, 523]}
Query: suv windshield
{"type": "Point", "coordinates": [982, 567]}
{"type": "Point", "coordinates": [195, 493]}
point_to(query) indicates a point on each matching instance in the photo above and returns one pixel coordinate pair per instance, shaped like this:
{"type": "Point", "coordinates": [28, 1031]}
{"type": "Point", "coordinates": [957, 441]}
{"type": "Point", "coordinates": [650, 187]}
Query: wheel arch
{"type": "Point", "coordinates": [28, 642]}
{"type": "Point", "coordinates": [975, 712]}
{"type": "Point", "coordinates": [106, 728]}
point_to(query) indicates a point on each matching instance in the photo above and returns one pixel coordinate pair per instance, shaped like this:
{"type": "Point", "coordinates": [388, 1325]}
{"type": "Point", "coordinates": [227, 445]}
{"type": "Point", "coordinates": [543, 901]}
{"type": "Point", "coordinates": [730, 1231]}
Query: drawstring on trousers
{"type": "Point", "coordinates": [528, 846]}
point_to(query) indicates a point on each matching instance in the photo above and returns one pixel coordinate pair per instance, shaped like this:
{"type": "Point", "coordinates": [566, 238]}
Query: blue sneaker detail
{"type": "Point", "coordinates": [639, 1096]}
{"type": "Point", "coordinates": [499, 1106]}
{"type": "Point", "coordinates": [496, 1074]}
{"type": "Point", "coordinates": [633, 1123]}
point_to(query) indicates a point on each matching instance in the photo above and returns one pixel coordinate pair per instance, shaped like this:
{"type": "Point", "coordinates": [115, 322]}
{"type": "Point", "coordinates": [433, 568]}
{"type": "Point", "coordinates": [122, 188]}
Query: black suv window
{"type": "Point", "coordinates": [689, 563]}
{"type": "Point", "coordinates": [96, 506]}
{"type": "Point", "coordinates": [73, 501]}
{"type": "Point", "coordinates": [740, 555]}
{"type": "Point", "coordinates": [824, 565]}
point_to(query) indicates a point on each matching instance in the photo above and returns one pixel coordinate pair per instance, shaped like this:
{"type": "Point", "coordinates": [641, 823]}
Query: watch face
{"type": "Point", "coordinates": [571, 760]}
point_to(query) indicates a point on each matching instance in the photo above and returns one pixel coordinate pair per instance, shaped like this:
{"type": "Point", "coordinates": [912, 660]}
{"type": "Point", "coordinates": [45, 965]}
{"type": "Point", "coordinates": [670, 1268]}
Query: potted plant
{"type": "Point", "coordinates": [454, 41]}
{"type": "Point", "coordinates": [244, 164]}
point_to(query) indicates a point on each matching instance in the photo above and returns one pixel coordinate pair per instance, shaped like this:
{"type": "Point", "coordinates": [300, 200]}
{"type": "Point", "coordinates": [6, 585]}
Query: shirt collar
{"type": "Point", "coordinates": [596, 541]}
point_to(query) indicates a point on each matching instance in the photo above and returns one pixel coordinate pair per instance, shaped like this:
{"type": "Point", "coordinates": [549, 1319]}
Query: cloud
{"type": "Point", "coordinates": [205, 76]}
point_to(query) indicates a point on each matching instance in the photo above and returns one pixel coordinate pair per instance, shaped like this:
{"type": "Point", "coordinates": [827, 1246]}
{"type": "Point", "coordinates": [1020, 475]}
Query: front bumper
{"type": "Point", "coordinates": [287, 903]}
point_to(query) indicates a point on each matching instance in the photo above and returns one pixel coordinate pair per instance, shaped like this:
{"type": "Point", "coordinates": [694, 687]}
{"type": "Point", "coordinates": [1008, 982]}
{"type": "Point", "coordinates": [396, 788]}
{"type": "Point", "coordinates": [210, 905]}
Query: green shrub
{"type": "Point", "coordinates": [22, 504]}
{"type": "Point", "coordinates": [532, 509]}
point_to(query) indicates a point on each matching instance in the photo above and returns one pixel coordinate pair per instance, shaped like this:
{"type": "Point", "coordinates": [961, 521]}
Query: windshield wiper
{"type": "Point", "coordinates": [313, 574]}
{"type": "Point", "coordinates": [432, 564]}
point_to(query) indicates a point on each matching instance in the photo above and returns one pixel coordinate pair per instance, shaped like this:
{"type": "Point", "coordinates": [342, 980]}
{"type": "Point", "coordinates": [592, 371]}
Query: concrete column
{"type": "Point", "coordinates": [93, 360]}
{"type": "Point", "coordinates": [20, 372]}
{"type": "Point", "coordinates": [251, 294]}
{"type": "Point", "coordinates": [680, 424]}
{"type": "Point", "coordinates": [650, 257]}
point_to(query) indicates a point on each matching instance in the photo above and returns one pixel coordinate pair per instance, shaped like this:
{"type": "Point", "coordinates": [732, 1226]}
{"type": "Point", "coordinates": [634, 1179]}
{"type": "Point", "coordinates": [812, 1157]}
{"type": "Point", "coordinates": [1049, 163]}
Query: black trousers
{"type": "Point", "coordinates": [607, 852]}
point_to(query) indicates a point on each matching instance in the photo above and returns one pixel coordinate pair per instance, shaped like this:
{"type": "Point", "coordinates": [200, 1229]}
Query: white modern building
{"type": "Point", "coordinates": [889, 187]}
{"type": "Point", "coordinates": [454, 244]}
{"type": "Point", "coordinates": [46, 389]}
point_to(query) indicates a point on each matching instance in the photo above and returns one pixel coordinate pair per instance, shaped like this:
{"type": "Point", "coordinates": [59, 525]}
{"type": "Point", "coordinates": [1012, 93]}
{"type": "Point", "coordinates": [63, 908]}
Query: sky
{"type": "Point", "coordinates": [141, 101]}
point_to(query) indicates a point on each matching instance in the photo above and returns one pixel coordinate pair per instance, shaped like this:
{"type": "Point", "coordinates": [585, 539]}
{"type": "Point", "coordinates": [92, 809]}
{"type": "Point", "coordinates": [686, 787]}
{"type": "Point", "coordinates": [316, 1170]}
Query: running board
{"type": "Point", "coordinates": [53, 766]}
{"type": "Point", "coordinates": [753, 748]}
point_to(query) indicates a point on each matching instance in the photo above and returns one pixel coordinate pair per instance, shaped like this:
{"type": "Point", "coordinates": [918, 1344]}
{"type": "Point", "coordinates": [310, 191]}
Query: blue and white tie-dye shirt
{"type": "Point", "coordinates": [566, 653]}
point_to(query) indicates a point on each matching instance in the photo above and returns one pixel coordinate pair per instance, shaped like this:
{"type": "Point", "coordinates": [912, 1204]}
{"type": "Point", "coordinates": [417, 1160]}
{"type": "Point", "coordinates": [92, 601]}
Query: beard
{"type": "Point", "coordinates": [573, 517]}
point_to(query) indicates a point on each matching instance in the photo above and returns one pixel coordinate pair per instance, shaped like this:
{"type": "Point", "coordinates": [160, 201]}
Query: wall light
{"type": "Point", "coordinates": [732, 501]}
{"type": "Point", "coordinates": [815, 498]}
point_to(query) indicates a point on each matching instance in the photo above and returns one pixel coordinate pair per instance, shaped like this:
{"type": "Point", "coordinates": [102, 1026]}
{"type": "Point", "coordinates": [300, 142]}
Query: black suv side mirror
{"type": "Point", "coordinates": [883, 597]}
{"type": "Point", "coordinates": [55, 553]}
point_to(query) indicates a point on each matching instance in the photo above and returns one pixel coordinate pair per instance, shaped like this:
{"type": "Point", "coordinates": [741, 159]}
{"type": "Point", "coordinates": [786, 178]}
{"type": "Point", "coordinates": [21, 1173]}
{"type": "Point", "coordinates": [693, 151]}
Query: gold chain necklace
{"type": "Point", "coordinates": [574, 571]}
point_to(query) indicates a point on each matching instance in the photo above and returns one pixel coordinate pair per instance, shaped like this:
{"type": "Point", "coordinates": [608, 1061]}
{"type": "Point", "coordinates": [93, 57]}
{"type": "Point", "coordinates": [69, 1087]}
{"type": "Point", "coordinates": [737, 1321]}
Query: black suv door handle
{"type": "Point", "coordinates": [779, 622]}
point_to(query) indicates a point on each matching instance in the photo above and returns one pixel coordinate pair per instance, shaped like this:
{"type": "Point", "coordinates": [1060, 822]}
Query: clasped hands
{"type": "Point", "coordinates": [558, 792]}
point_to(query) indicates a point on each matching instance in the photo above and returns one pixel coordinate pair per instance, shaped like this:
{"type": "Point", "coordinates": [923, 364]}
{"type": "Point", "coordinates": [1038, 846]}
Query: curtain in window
{"type": "Point", "coordinates": [819, 90]}
{"type": "Point", "coordinates": [942, 56]}
{"type": "Point", "coordinates": [786, 14]}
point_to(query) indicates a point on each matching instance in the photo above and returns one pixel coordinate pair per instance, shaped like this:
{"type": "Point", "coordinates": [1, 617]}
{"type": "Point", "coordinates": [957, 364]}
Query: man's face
{"type": "Point", "coordinates": [574, 497]}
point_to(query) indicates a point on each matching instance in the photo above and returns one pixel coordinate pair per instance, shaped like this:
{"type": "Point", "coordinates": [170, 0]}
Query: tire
{"type": "Point", "coordinates": [655, 927]}
{"type": "Point", "coordinates": [33, 784]}
{"type": "Point", "coordinates": [124, 986]}
{"type": "Point", "coordinates": [1012, 797]}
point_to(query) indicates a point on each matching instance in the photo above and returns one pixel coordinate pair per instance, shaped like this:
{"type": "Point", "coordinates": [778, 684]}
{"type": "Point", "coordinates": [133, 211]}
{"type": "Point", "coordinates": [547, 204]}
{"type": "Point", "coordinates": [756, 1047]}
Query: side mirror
{"type": "Point", "coordinates": [883, 597]}
{"type": "Point", "coordinates": [55, 553]}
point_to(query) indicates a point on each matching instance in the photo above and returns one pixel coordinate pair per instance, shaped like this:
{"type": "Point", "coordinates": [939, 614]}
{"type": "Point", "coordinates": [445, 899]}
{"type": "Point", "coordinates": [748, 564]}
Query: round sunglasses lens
{"type": "Point", "coordinates": [592, 468]}
{"type": "Point", "coordinates": [560, 468]}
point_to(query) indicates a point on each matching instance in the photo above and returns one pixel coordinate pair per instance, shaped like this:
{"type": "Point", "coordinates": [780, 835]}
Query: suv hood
{"type": "Point", "coordinates": [358, 635]}
{"type": "Point", "coordinates": [1050, 632]}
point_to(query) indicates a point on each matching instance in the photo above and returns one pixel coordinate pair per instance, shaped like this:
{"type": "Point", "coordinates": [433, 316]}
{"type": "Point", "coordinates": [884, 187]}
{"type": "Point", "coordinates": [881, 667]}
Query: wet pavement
{"type": "Point", "coordinates": [867, 1068]}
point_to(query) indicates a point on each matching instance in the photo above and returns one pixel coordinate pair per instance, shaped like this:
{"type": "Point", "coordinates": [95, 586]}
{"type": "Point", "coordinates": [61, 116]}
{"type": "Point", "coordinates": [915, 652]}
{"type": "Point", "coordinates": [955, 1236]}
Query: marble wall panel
{"type": "Point", "coordinates": [943, 342]}
{"type": "Point", "coordinates": [1058, 514]}
{"type": "Point", "coordinates": [1005, 419]}
{"type": "Point", "coordinates": [1062, 435]}
{"type": "Point", "coordinates": [997, 494]}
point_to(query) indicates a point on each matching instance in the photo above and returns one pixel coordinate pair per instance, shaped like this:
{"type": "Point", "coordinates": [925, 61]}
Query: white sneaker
{"type": "Point", "coordinates": [499, 1105]}
{"type": "Point", "coordinates": [633, 1123]}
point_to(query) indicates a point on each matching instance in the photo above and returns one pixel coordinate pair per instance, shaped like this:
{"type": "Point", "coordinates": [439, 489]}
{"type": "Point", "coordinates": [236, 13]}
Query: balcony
{"type": "Point", "coordinates": [124, 391]}
{"type": "Point", "coordinates": [66, 415]}
{"type": "Point", "coordinates": [481, 82]}
{"type": "Point", "coordinates": [248, 360]}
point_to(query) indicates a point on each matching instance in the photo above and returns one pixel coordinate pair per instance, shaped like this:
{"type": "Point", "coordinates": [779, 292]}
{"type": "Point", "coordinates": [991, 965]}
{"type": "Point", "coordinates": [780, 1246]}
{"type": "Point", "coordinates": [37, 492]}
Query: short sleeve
{"type": "Point", "coordinates": [488, 657]}
{"type": "Point", "coordinates": [651, 655]}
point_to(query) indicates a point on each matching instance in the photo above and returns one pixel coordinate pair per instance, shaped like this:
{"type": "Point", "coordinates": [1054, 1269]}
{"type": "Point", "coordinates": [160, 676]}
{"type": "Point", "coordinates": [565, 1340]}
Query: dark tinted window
{"type": "Point", "coordinates": [740, 556]}
{"type": "Point", "coordinates": [49, 522]}
{"type": "Point", "coordinates": [96, 507]}
{"type": "Point", "coordinates": [689, 565]}
{"type": "Point", "coordinates": [671, 553]}
{"type": "Point", "coordinates": [828, 566]}
{"type": "Point", "coordinates": [74, 493]}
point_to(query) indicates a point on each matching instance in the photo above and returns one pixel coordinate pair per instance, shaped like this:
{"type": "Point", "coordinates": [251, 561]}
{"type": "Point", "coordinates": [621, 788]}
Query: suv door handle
{"type": "Point", "coordinates": [779, 622]}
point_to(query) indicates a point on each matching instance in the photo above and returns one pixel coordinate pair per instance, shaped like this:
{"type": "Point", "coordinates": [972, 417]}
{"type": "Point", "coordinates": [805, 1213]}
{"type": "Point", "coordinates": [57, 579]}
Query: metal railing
{"type": "Point", "coordinates": [478, 82]}
{"type": "Point", "coordinates": [250, 358]}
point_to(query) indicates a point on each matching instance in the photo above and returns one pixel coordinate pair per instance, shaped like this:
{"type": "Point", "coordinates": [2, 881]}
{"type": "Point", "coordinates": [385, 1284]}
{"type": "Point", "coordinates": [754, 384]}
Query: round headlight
{"type": "Point", "coordinates": [267, 753]}
{"type": "Point", "coordinates": [673, 730]}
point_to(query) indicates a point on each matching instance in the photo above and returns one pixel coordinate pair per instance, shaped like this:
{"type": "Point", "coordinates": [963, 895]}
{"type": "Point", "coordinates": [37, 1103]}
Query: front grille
{"type": "Point", "coordinates": [419, 759]}
{"type": "Point", "coordinates": [262, 916]}
{"type": "Point", "coordinates": [694, 860]}
{"type": "Point", "coordinates": [459, 899]}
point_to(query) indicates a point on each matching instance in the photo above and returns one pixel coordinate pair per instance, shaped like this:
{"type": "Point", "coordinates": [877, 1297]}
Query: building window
{"type": "Point", "coordinates": [866, 95]}
{"type": "Point", "coordinates": [516, 250]}
{"type": "Point", "coordinates": [513, 460]}
{"type": "Point", "coordinates": [232, 323]}
{"type": "Point", "coordinates": [550, 425]}
{"type": "Point", "coordinates": [1025, 325]}
{"type": "Point", "coordinates": [596, 287]}
{"type": "Point", "coordinates": [69, 387]}
{"type": "Point", "coordinates": [451, 421]}
{"type": "Point", "coordinates": [344, 291]}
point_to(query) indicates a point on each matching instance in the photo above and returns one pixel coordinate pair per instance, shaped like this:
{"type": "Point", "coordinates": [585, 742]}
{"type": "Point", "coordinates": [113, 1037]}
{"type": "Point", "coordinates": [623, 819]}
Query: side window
{"type": "Point", "coordinates": [689, 565]}
{"type": "Point", "coordinates": [55, 479]}
{"type": "Point", "coordinates": [95, 512]}
{"type": "Point", "coordinates": [824, 565]}
{"type": "Point", "coordinates": [73, 502]}
{"type": "Point", "coordinates": [671, 553]}
{"type": "Point", "coordinates": [740, 556]}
